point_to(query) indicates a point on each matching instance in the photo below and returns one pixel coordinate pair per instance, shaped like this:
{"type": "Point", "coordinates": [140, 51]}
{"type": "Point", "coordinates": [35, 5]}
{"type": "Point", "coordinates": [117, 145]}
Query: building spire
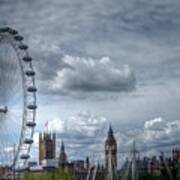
{"type": "Point", "coordinates": [62, 146]}
{"type": "Point", "coordinates": [111, 153]}
{"type": "Point", "coordinates": [110, 132]}
{"type": "Point", "coordinates": [110, 128]}
{"type": "Point", "coordinates": [62, 156]}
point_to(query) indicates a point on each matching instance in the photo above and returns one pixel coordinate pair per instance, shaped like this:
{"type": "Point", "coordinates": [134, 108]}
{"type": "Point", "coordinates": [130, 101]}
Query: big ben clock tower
{"type": "Point", "coordinates": [110, 150]}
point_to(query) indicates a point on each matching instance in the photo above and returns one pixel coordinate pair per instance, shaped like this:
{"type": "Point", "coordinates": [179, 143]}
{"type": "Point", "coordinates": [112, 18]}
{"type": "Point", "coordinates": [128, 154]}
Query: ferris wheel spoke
{"type": "Point", "coordinates": [4, 153]}
{"type": "Point", "coordinates": [12, 136]}
{"type": "Point", "coordinates": [9, 77]}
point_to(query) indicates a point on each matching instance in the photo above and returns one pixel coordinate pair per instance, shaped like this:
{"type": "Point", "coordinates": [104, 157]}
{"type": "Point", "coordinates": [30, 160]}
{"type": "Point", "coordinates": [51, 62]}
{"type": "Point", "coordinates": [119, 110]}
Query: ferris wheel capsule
{"type": "Point", "coordinates": [18, 38]}
{"type": "Point", "coordinates": [28, 141]}
{"type": "Point", "coordinates": [32, 89]}
{"type": "Point", "coordinates": [27, 59]}
{"type": "Point", "coordinates": [30, 73]}
{"type": "Point", "coordinates": [25, 156]}
{"type": "Point", "coordinates": [23, 47]}
{"type": "Point", "coordinates": [31, 124]}
{"type": "Point", "coordinates": [32, 107]}
{"type": "Point", "coordinates": [3, 110]}
{"type": "Point", "coordinates": [12, 31]}
{"type": "Point", "coordinates": [4, 29]}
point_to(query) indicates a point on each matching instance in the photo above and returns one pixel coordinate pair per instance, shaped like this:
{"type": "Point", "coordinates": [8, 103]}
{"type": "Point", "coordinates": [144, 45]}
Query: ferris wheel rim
{"type": "Point", "coordinates": [29, 95]}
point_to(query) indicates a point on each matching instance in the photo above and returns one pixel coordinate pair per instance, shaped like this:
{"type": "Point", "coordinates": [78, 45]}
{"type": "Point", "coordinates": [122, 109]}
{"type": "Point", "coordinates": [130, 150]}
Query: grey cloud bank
{"type": "Point", "coordinates": [89, 75]}
{"type": "Point", "coordinates": [142, 34]}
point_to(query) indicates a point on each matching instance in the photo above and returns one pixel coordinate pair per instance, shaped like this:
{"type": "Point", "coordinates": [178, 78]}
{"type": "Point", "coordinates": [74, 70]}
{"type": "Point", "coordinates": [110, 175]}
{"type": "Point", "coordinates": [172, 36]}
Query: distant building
{"type": "Point", "coordinates": [5, 172]}
{"type": "Point", "coordinates": [81, 169]}
{"type": "Point", "coordinates": [176, 155]}
{"type": "Point", "coordinates": [32, 164]}
{"type": "Point", "coordinates": [110, 151]}
{"type": "Point", "coordinates": [47, 147]}
{"type": "Point", "coordinates": [78, 164]}
{"type": "Point", "coordinates": [154, 166]}
{"type": "Point", "coordinates": [62, 156]}
{"type": "Point", "coordinates": [87, 163]}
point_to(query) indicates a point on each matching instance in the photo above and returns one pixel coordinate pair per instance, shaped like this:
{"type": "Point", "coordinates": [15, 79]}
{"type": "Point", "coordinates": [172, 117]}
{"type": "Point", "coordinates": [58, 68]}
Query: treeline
{"type": "Point", "coordinates": [53, 175]}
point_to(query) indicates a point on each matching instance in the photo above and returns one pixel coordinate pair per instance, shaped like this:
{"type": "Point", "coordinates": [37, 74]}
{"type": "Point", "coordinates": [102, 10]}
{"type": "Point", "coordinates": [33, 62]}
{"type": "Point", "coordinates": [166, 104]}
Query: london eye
{"type": "Point", "coordinates": [17, 100]}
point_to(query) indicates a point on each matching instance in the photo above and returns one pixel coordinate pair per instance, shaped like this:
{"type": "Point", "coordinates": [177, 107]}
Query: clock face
{"type": "Point", "coordinates": [113, 147]}
{"type": "Point", "coordinates": [107, 148]}
{"type": "Point", "coordinates": [110, 148]}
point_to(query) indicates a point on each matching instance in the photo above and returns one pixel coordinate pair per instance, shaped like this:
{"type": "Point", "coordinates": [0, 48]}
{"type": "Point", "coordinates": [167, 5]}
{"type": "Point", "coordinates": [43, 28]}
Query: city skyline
{"type": "Point", "coordinates": [104, 62]}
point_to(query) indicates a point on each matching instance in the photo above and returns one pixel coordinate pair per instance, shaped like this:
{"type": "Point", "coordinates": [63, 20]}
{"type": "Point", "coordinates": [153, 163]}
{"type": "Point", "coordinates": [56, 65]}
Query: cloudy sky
{"type": "Point", "coordinates": [101, 62]}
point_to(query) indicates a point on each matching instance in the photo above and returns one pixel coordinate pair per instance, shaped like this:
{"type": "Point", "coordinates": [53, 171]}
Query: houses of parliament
{"type": "Point", "coordinates": [47, 155]}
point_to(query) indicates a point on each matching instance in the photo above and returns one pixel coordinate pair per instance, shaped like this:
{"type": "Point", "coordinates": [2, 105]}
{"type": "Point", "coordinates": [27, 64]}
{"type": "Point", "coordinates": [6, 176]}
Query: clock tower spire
{"type": "Point", "coordinates": [110, 150]}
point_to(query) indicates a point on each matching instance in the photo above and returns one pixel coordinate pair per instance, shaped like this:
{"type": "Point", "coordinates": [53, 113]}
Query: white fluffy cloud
{"type": "Point", "coordinates": [161, 128]}
{"type": "Point", "coordinates": [155, 124]}
{"type": "Point", "coordinates": [90, 75]}
{"type": "Point", "coordinates": [56, 125]}
{"type": "Point", "coordinates": [84, 125]}
{"type": "Point", "coordinates": [157, 135]}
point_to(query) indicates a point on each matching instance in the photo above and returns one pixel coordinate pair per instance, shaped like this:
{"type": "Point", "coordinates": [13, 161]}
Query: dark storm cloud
{"type": "Point", "coordinates": [72, 23]}
{"type": "Point", "coordinates": [126, 31]}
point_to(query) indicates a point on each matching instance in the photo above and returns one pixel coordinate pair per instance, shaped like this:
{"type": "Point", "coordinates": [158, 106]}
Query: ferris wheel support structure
{"type": "Point", "coordinates": [28, 124]}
